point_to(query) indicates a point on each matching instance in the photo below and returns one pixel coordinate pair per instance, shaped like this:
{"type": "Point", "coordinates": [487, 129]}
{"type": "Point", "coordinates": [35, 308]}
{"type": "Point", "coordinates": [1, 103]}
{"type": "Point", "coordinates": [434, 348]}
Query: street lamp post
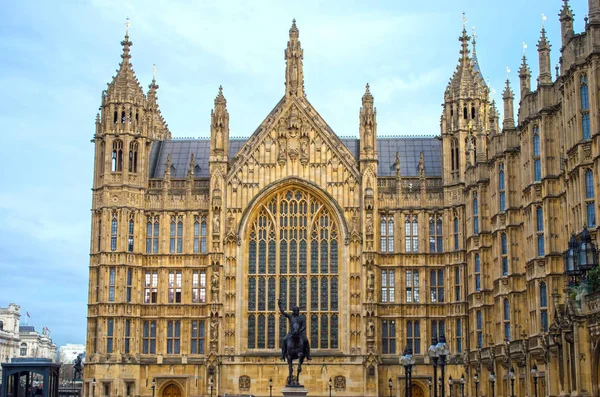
{"type": "Point", "coordinates": [407, 361]}
{"type": "Point", "coordinates": [330, 384]}
{"type": "Point", "coordinates": [476, 380]}
{"type": "Point", "coordinates": [511, 376]}
{"type": "Point", "coordinates": [390, 386]}
{"type": "Point", "coordinates": [211, 384]}
{"type": "Point", "coordinates": [492, 381]}
{"type": "Point", "coordinates": [270, 387]}
{"type": "Point", "coordinates": [439, 385]}
{"type": "Point", "coordinates": [432, 352]}
{"type": "Point", "coordinates": [580, 257]}
{"type": "Point", "coordinates": [153, 386]}
{"type": "Point", "coordinates": [534, 374]}
{"type": "Point", "coordinates": [450, 381]}
{"type": "Point", "coordinates": [94, 387]}
{"type": "Point", "coordinates": [442, 351]}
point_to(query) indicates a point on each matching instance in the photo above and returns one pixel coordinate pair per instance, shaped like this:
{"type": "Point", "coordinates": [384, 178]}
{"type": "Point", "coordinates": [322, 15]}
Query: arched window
{"type": "Point", "coordinates": [585, 106]}
{"type": "Point", "coordinates": [479, 321]}
{"type": "Point", "coordinates": [123, 118]}
{"type": "Point", "coordinates": [473, 112]}
{"type": "Point", "coordinates": [465, 113]}
{"type": "Point", "coordinates": [413, 336]}
{"type": "Point", "coordinates": [501, 188]}
{"type": "Point", "coordinates": [451, 110]}
{"type": "Point", "coordinates": [411, 234]}
{"type": "Point", "coordinates": [130, 231]}
{"type": "Point", "coordinates": [23, 351]}
{"type": "Point", "coordinates": [117, 156]}
{"type": "Point", "coordinates": [539, 221]}
{"type": "Point", "coordinates": [477, 273]}
{"type": "Point", "coordinates": [196, 234]}
{"type": "Point", "coordinates": [456, 242]}
{"type": "Point", "coordinates": [589, 198]}
{"type": "Point", "coordinates": [293, 253]}
{"type": "Point", "coordinates": [115, 117]}
{"type": "Point", "coordinates": [387, 234]}
{"type": "Point", "coordinates": [475, 214]}
{"type": "Point", "coordinates": [133, 156]}
{"type": "Point", "coordinates": [435, 234]}
{"type": "Point", "coordinates": [537, 165]}
{"type": "Point", "coordinates": [114, 227]}
{"type": "Point", "coordinates": [203, 237]}
{"type": "Point", "coordinates": [504, 254]}
{"type": "Point", "coordinates": [176, 235]}
{"type": "Point", "coordinates": [506, 309]}
{"type": "Point", "coordinates": [454, 152]}
{"type": "Point", "coordinates": [543, 307]}
{"type": "Point", "coordinates": [152, 231]}
{"type": "Point", "coordinates": [110, 327]}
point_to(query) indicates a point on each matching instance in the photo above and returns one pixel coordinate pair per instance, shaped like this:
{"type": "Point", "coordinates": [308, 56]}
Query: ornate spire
{"type": "Point", "coordinates": [294, 75]}
{"type": "Point", "coordinates": [397, 165]}
{"type": "Point", "coordinates": [125, 84]}
{"type": "Point", "coordinates": [543, 46]}
{"type": "Point", "coordinates": [474, 61]}
{"type": "Point", "coordinates": [508, 98]}
{"type": "Point", "coordinates": [524, 74]}
{"type": "Point", "coordinates": [367, 99]}
{"type": "Point", "coordinates": [368, 124]}
{"type": "Point", "coordinates": [219, 126]}
{"type": "Point", "coordinates": [421, 166]}
{"type": "Point", "coordinates": [191, 167]}
{"type": "Point", "coordinates": [464, 40]}
{"type": "Point", "coordinates": [566, 22]}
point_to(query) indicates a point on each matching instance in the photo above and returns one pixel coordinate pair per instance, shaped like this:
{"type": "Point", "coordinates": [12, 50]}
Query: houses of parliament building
{"type": "Point", "coordinates": [382, 242]}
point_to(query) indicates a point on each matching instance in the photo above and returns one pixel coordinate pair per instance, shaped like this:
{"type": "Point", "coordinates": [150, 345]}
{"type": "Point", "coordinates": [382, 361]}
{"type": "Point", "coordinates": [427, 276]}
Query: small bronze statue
{"type": "Point", "coordinates": [78, 367]}
{"type": "Point", "coordinates": [295, 344]}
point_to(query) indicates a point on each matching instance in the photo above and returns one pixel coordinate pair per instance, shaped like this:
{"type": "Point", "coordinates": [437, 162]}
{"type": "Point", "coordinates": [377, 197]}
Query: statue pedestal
{"type": "Point", "coordinates": [294, 391]}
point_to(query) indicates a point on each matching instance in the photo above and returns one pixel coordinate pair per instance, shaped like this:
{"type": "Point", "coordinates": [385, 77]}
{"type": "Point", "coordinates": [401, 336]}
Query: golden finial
{"type": "Point", "coordinates": [127, 25]}
{"type": "Point", "coordinates": [507, 72]}
{"type": "Point", "coordinates": [543, 19]}
{"type": "Point", "coordinates": [153, 71]}
{"type": "Point", "coordinates": [524, 48]}
{"type": "Point", "coordinates": [464, 21]}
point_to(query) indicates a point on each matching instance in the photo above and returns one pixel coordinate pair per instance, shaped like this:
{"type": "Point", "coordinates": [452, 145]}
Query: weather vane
{"type": "Point", "coordinates": [464, 21]}
{"type": "Point", "coordinates": [154, 71]}
{"type": "Point", "coordinates": [524, 48]}
{"type": "Point", "coordinates": [507, 72]}
{"type": "Point", "coordinates": [543, 19]}
{"type": "Point", "coordinates": [127, 25]}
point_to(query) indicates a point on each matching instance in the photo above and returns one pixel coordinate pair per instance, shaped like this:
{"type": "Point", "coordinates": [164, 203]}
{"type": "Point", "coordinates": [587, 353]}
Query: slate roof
{"type": "Point", "coordinates": [408, 148]}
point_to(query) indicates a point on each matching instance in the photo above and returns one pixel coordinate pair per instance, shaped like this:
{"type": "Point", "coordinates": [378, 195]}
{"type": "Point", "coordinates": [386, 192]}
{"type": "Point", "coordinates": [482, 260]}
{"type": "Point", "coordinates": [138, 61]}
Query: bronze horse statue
{"type": "Point", "coordinates": [295, 345]}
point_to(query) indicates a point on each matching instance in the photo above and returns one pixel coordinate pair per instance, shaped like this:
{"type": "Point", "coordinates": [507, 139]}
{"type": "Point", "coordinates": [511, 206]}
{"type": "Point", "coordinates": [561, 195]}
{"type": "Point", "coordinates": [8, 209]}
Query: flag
{"type": "Point", "coordinates": [28, 315]}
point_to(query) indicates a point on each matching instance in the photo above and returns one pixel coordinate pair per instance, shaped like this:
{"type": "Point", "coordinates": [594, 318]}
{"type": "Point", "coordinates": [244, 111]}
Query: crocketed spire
{"type": "Point", "coordinates": [294, 75]}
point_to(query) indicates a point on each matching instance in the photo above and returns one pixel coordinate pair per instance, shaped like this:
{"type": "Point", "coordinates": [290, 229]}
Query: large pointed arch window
{"type": "Point", "coordinates": [585, 106]}
{"type": "Point", "coordinates": [293, 254]}
{"type": "Point", "coordinates": [117, 156]}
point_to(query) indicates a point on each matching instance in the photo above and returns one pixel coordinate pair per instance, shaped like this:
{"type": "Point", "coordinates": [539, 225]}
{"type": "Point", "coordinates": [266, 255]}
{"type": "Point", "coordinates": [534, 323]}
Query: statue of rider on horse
{"type": "Point", "coordinates": [295, 344]}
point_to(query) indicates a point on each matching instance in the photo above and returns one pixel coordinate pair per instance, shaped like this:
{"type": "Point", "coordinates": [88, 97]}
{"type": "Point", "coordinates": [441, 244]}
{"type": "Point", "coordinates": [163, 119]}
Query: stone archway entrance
{"type": "Point", "coordinates": [417, 391]}
{"type": "Point", "coordinates": [171, 391]}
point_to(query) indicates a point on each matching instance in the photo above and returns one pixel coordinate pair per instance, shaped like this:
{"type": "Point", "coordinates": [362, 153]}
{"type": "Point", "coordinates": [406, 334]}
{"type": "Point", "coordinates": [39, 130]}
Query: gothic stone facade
{"type": "Point", "coordinates": [382, 242]}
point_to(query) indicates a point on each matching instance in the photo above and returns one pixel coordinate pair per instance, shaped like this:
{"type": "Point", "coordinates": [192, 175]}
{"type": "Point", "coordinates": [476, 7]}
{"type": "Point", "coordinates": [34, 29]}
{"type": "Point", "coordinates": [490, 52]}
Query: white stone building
{"type": "Point", "coordinates": [10, 318]}
{"type": "Point", "coordinates": [32, 344]}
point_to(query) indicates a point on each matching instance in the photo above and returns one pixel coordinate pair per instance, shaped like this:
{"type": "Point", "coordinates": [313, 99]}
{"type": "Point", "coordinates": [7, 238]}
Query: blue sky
{"type": "Point", "coordinates": [57, 58]}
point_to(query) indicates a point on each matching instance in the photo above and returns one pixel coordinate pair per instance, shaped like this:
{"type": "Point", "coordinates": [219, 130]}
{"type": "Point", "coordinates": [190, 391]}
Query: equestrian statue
{"type": "Point", "coordinates": [294, 346]}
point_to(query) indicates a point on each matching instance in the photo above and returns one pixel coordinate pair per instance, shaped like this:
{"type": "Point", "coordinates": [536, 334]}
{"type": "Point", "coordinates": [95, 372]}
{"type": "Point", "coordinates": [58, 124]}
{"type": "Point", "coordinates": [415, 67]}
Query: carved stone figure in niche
{"type": "Point", "coordinates": [369, 223]}
{"type": "Point", "coordinates": [370, 329]}
{"type": "Point", "coordinates": [219, 140]}
{"type": "Point", "coordinates": [354, 224]}
{"type": "Point", "coordinates": [214, 329]}
{"type": "Point", "coordinates": [216, 223]}
{"type": "Point", "coordinates": [215, 281]}
{"type": "Point", "coordinates": [370, 279]}
{"type": "Point", "coordinates": [230, 224]}
{"type": "Point", "coordinates": [368, 136]}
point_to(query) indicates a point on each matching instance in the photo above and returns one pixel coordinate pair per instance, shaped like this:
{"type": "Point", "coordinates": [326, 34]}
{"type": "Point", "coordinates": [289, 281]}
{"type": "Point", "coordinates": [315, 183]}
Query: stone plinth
{"type": "Point", "coordinates": [294, 391]}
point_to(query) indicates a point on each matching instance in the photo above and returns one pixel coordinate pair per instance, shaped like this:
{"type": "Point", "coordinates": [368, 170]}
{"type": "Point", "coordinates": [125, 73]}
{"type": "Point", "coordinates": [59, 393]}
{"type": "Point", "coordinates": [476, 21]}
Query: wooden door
{"type": "Point", "coordinates": [173, 391]}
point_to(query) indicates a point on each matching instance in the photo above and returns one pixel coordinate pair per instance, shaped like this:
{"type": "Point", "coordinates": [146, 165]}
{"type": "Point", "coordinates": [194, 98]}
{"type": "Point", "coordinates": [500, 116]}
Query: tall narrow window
{"type": "Point", "coordinates": [129, 285]}
{"type": "Point", "coordinates": [479, 323]}
{"type": "Point", "coordinates": [589, 199]}
{"type": "Point", "coordinates": [149, 338]}
{"type": "Point", "coordinates": [504, 254]}
{"type": "Point", "coordinates": [387, 234]}
{"type": "Point", "coordinates": [175, 286]}
{"type": "Point", "coordinates": [130, 230]}
{"type": "Point", "coordinates": [537, 165]}
{"type": "Point", "coordinates": [413, 336]}
{"type": "Point", "coordinates": [475, 214]}
{"type": "Point", "coordinates": [539, 220]}
{"type": "Point", "coordinates": [585, 106]}
{"type": "Point", "coordinates": [501, 188]}
{"type": "Point", "coordinates": [23, 350]}
{"type": "Point", "coordinates": [438, 328]}
{"type": "Point", "coordinates": [506, 317]}
{"type": "Point", "coordinates": [196, 234]}
{"type": "Point", "coordinates": [114, 227]}
{"type": "Point", "coordinates": [199, 286]}
{"type": "Point", "coordinates": [435, 234]}
{"type": "Point", "coordinates": [543, 307]}
{"type": "Point", "coordinates": [411, 233]}
{"type": "Point", "coordinates": [133, 156]}
{"type": "Point", "coordinates": [459, 336]}
{"type": "Point", "coordinates": [412, 286]}
{"type": "Point", "coordinates": [456, 228]}
{"type": "Point", "coordinates": [173, 337]}
{"type": "Point", "coordinates": [99, 237]}
{"type": "Point", "coordinates": [387, 286]}
{"type": "Point", "coordinates": [477, 273]}
{"type": "Point", "coordinates": [151, 287]}
{"type": "Point", "coordinates": [203, 237]}
{"type": "Point", "coordinates": [110, 329]}
{"type": "Point", "coordinates": [436, 280]}
{"type": "Point", "coordinates": [112, 276]}
{"type": "Point", "coordinates": [388, 337]}
{"type": "Point", "coordinates": [457, 284]}
{"type": "Point", "coordinates": [176, 235]}
{"type": "Point", "coordinates": [117, 156]}
{"type": "Point", "coordinates": [198, 335]}
{"type": "Point", "coordinates": [127, 336]}
{"type": "Point", "coordinates": [152, 230]}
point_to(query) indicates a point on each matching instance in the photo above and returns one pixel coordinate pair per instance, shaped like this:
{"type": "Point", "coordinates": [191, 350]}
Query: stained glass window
{"type": "Point", "coordinates": [293, 227]}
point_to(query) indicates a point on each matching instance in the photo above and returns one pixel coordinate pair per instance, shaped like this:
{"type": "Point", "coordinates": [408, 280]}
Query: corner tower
{"type": "Point", "coordinates": [463, 121]}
